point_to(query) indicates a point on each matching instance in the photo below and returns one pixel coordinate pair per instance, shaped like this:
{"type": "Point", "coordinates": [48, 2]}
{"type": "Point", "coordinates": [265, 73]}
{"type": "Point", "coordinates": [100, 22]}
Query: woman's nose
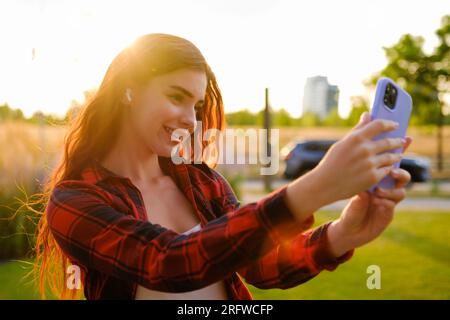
{"type": "Point", "coordinates": [189, 120]}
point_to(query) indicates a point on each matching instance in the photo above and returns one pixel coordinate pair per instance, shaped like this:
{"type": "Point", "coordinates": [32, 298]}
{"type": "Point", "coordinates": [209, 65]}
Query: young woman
{"type": "Point", "coordinates": [139, 226]}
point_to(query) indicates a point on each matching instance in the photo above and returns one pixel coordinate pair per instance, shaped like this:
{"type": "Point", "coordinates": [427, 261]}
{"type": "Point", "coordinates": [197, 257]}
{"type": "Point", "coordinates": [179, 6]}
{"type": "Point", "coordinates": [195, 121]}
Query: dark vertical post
{"type": "Point", "coordinates": [267, 126]}
{"type": "Point", "coordinates": [440, 140]}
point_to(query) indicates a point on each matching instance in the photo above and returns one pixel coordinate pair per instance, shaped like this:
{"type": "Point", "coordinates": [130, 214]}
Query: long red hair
{"type": "Point", "coordinates": [95, 129]}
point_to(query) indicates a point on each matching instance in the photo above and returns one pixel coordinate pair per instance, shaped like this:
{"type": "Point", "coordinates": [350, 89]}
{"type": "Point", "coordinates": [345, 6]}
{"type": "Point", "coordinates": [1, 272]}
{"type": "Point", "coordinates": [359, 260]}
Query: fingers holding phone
{"type": "Point", "coordinates": [353, 163]}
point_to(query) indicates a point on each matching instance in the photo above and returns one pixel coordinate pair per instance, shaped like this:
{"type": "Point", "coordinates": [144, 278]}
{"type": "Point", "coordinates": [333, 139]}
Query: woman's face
{"type": "Point", "coordinates": [166, 103]}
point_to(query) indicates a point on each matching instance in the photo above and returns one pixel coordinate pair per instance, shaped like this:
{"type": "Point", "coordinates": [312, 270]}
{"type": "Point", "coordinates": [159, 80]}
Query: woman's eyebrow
{"type": "Point", "coordinates": [184, 91]}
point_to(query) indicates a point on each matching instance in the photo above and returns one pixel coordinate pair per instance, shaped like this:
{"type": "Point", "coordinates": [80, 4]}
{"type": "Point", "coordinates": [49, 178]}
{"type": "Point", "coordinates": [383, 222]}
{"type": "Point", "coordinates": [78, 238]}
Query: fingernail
{"type": "Point", "coordinates": [396, 171]}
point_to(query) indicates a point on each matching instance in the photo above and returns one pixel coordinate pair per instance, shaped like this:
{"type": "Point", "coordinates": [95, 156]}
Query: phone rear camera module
{"type": "Point", "coordinates": [390, 96]}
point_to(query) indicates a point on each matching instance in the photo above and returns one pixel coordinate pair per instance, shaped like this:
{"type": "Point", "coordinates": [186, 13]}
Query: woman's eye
{"type": "Point", "coordinates": [177, 97]}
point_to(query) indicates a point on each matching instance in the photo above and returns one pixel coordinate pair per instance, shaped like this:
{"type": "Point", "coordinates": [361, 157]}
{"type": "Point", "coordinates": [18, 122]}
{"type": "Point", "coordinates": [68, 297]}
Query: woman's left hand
{"type": "Point", "coordinates": [367, 215]}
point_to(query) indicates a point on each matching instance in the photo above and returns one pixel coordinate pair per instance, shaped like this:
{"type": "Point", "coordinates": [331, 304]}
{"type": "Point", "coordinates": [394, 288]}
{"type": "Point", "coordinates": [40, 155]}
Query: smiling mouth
{"type": "Point", "coordinates": [170, 131]}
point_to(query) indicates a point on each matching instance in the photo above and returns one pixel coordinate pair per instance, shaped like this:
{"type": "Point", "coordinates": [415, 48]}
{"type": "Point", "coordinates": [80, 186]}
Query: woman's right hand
{"type": "Point", "coordinates": [351, 165]}
{"type": "Point", "coordinates": [356, 162]}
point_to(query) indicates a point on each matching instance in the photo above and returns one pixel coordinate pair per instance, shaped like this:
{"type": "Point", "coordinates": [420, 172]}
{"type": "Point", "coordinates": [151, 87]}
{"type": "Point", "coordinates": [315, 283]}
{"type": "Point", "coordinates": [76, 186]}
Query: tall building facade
{"type": "Point", "coordinates": [320, 96]}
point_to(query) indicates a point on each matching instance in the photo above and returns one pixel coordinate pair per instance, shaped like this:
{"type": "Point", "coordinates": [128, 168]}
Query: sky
{"type": "Point", "coordinates": [250, 45]}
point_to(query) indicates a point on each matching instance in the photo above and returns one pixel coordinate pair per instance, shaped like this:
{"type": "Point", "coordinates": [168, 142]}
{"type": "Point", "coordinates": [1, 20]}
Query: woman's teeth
{"type": "Point", "coordinates": [170, 131]}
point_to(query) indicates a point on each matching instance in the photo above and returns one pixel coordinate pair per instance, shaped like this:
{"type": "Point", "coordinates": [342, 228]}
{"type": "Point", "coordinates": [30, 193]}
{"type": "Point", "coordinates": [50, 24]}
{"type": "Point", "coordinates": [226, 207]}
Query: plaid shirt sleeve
{"type": "Point", "coordinates": [294, 260]}
{"type": "Point", "coordinates": [95, 233]}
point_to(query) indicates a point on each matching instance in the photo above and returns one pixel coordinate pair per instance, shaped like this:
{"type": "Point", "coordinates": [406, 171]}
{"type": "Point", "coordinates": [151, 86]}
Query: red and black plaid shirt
{"type": "Point", "coordinates": [101, 224]}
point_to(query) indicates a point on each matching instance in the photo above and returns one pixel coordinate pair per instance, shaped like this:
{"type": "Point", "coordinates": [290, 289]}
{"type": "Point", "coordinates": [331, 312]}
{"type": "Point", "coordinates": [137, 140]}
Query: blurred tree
{"type": "Point", "coordinates": [74, 110]}
{"type": "Point", "coordinates": [333, 119]}
{"type": "Point", "coordinates": [359, 106]}
{"type": "Point", "coordinates": [7, 113]}
{"type": "Point", "coordinates": [425, 77]}
{"type": "Point", "coordinates": [241, 117]}
{"type": "Point", "coordinates": [441, 67]}
{"type": "Point", "coordinates": [281, 118]}
{"type": "Point", "coordinates": [260, 118]}
{"type": "Point", "coordinates": [310, 119]}
{"type": "Point", "coordinates": [38, 117]}
{"type": "Point", "coordinates": [76, 106]}
{"type": "Point", "coordinates": [17, 114]}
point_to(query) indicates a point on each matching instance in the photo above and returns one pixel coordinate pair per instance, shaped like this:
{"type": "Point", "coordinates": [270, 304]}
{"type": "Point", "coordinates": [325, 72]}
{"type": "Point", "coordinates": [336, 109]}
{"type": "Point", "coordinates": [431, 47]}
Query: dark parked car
{"type": "Point", "coordinates": [303, 156]}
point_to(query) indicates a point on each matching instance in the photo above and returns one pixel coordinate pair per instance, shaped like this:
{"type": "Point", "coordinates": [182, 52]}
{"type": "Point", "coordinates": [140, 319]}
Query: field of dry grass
{"type": "Point", "coordinates": [27, 153]}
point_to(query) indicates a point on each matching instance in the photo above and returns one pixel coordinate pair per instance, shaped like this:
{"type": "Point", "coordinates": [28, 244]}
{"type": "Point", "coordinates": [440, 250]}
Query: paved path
{"type": "Point", "coordinates": [252, 191]}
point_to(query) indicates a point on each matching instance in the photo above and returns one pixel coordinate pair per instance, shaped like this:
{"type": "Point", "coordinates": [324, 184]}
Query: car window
{"type": "Point", "coordinates": [319, 146]}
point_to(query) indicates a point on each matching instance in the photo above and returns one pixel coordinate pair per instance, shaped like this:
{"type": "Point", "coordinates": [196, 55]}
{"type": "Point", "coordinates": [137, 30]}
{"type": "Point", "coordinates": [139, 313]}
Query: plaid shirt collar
{"type": "Point", "coordinates": [188, 178]}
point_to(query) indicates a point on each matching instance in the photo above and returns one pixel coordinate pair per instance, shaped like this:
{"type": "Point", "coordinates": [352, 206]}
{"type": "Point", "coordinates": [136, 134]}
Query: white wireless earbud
{"type": "Point", "coordinates": [128, 94]}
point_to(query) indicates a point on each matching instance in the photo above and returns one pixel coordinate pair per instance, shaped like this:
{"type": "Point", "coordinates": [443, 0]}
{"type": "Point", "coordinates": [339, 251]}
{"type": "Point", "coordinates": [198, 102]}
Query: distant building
{"type": "Point", "coordinates": [319, 96]}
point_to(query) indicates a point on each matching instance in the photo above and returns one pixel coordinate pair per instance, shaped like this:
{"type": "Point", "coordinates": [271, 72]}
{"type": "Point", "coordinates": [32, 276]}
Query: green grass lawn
{"type": "Point", "coordinates": [413, 254]}
{"type": "Point", "coordinates": [13, 285]}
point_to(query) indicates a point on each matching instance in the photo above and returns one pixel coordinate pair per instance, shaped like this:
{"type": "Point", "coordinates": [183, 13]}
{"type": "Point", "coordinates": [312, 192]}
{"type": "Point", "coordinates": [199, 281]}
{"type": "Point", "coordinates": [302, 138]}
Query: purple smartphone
{"type": "Point", "coordinates": [392, 103]}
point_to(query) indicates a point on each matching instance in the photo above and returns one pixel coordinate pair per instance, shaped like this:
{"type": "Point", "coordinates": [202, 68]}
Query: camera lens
{"type": "Point", "coordinates": [390, 96]}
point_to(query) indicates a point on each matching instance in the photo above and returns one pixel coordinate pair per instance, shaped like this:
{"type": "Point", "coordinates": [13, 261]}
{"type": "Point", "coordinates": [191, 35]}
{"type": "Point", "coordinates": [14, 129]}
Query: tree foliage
{"type": "Point", "coordinates": [424, 76]}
